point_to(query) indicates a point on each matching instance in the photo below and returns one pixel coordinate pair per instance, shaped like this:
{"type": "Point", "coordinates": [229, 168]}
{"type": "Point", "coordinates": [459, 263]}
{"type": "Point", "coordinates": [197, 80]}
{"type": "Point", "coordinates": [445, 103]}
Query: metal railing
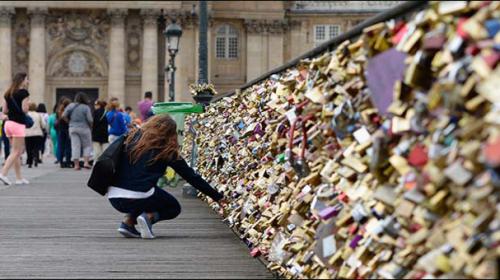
{"type": "Point", "coordinates": [394, 13]}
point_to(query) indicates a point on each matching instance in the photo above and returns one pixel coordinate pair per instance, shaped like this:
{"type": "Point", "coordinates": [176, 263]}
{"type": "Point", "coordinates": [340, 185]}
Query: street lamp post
{"type": "Point", "coordinates": [173, 33]}
{"type": "Point", "coordinates": [203, 97]}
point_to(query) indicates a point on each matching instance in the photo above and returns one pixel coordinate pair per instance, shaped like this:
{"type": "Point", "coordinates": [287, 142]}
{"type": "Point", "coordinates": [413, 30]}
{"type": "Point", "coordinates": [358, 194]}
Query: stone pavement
{"type": "Point", "coordinates": [59, 228]}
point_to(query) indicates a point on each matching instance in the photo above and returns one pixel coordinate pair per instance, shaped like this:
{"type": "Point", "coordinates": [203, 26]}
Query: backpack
{"type": "Point", "coordinates": [105, 168]}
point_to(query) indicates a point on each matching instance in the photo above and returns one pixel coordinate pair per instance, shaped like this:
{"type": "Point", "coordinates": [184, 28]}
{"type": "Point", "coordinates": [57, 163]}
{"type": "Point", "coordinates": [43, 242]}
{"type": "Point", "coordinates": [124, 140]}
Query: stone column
{"type": "Point", "coordinates": [5, 47]}
{"type": "Point", "coordinates": [255, 49]}
{"type": "Point", "coordinates": [116, 75]}
{"type": "Point", "coordinates": [149, 79]}
{"type": "Point", "coordinates": [297, 38]}
{"type": "Point", "coordinates": [276, 31]}
{"type": "Point", "coordinates": [186, 62]}
{"type": "Point", "coordinates": [37, 54]}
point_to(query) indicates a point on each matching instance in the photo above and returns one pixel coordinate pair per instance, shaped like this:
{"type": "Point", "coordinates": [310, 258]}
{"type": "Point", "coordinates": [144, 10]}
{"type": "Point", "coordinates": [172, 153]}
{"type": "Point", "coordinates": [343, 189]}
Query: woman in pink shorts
{"type": "Point", "coordinates": [15, 105]}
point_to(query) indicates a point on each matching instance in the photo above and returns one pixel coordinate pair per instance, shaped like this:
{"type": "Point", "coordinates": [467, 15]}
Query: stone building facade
{"type": "Point", "coordinates": [117, 48]}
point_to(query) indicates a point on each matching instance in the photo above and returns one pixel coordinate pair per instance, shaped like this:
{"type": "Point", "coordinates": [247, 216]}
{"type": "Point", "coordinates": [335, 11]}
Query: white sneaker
{"type": "Point", "coordinates": [5, 180]}
{"type": "Point", "coordinates": [145, 227]}
{"type": "Point", "coordinates": [22, 182]}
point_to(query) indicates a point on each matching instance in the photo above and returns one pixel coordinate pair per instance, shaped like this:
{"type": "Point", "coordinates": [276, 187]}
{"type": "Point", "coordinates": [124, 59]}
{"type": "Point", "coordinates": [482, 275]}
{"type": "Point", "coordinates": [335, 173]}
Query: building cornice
{"type": "Point", "coordinates": [340, 7]}
{"type": "Point", "coordinates": [263, 26]}
{"type": "Point", "coordinates": [181, 17]}
{"type": "Point", "coordinates": [165, 5]}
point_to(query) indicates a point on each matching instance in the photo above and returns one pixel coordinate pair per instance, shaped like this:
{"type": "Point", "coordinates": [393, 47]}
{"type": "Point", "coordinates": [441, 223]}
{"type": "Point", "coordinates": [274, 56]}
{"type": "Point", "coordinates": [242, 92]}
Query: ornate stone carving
{"type": "Point", "coordinates": [76, 62]}
{"type": "Point", "coordinates": [292, 23]}
{"type": "Point", "coordinates": [38, 15]}
{"type": "Point", "coordinates": [117, 16]}
{"type": "Point", "coordinates": [266, 26]}
{"type": "Point", "coordinates": [134, 45]}
{"type": "Point", "coordinates": [6, 14]}
{"type": "Point", "coordinates": [77, 29]}
{"type": "Point", "coordinates": [342, 6]}
{"type": "Point", "coordinates": [183, 18]}
{"type": "Point", "coordinates": [20, 43]}
{"type": "Point", "coordinates": [150, 16]}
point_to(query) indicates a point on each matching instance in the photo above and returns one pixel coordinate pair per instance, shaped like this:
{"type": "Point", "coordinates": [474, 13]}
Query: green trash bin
{"type": "Point", "coordinates": [178, 111]}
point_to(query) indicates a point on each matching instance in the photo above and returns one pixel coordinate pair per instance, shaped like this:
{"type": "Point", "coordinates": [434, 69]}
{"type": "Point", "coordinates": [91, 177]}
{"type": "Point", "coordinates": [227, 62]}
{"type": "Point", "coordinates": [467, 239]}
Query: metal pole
{"type": "Point", "coordinates": [203, 48]}
{"type": "Point", "coordinates": [188, 190]}
{"type": "Point", "coordinates": [172, 78]}
{"type": "Point", "coordinates": [193, 132]}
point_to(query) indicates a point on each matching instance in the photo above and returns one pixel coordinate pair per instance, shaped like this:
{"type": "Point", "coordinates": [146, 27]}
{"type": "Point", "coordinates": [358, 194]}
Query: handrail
{"type": "Point", "coordinates": [396, 12]}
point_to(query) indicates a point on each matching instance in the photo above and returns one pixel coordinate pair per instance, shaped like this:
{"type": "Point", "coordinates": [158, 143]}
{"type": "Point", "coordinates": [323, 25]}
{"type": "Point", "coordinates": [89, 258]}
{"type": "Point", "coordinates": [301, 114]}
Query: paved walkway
{"type": "Point", "coordinates": [58, 228]}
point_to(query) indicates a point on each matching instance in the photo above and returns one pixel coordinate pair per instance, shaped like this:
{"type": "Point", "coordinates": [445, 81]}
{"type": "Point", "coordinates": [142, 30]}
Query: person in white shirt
{"type": "Point", "coordinates": [34, 136]}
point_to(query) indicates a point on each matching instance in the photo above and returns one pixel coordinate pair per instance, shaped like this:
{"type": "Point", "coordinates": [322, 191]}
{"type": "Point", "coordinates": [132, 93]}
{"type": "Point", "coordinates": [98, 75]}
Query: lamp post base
{"type": "Point", "coordinates": [203, 98]}
{"type": "Point", "coordinates": [188, 191]}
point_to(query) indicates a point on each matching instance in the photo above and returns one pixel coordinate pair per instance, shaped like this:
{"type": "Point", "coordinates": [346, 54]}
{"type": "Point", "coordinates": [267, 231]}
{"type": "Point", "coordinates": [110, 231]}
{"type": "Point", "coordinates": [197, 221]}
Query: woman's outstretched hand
{"type": "Point", "coordinates": [223, 203]}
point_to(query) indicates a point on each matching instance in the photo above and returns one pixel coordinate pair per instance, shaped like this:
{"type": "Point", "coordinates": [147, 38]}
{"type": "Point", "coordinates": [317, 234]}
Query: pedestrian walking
{"type": "Point", "coordinates": [116, 120]}
{"type": "Point", "coordinates": [64, 142]}
{"type": "Point", "coordinates": [129, 117]}
{"type": "Point", "coordinates": [145, 105]}
{"type": "Point", "coordinates": [34, 136]}
{"type": "Point", "coordinates": [15, 105]}
{"type": "Point", "coordinates": [51, 122]}
{"type": "Point", "coordinates": [100, 128]}
{"type": "Point", "coordinates": [42, 110]}
{"type": "Point", "coordinates": [80, 130]}
{"type": "Point", "coordinates": [146, 154]}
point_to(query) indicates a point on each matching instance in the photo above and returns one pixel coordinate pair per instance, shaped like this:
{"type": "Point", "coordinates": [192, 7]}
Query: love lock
{"type": "Point", "coordinates": [301, 168]}
{"type": "Point", "coordinates": [300, 165]}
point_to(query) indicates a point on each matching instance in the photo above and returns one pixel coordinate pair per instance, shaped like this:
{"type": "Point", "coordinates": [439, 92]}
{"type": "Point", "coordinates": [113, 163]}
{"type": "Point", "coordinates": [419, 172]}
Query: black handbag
{"type": "Point", "coordinates": [105, 169]}
{"type": "Point", "coordinates": [28, 121]}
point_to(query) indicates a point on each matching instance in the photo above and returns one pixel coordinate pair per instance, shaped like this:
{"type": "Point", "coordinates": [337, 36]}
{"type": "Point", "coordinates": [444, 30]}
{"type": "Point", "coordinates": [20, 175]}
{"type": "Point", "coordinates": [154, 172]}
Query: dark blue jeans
{"type": "Point", "coordinates": [64, 146]}
{"type": "Point", "coordinates": [161, 202]}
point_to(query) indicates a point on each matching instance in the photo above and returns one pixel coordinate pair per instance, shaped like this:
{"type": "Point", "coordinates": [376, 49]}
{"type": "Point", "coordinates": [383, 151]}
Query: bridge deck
{"type": "Point", "coordinates": [58, 228]}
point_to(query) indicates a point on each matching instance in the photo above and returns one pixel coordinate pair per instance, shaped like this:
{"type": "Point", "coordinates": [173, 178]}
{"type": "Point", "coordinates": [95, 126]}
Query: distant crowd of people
{"type": "Point", "coordinates": [75, 130]}
{"type": "Point", "coordinates": [78, 131]}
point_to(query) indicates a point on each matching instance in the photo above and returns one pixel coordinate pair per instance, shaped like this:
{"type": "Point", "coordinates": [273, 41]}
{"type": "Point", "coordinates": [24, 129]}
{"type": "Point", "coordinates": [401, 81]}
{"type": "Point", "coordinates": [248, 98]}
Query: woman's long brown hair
{"type": "Point", "coordinates": [16, 84]}
{"type": "Point", "coordinates": [63, 103]}
{"type": "Point", "coordinates": [158, 133]}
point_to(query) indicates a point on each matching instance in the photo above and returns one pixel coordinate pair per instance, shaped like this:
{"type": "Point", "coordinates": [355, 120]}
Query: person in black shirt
{"type": "Point", "coordinates": [42, 109]}
{"type": "Point", "coordinates": [64, 141]}
{"type": "Point", "coordinates": [100, 128]}
{"type": "Point", "coordinates": [15, 105]}
{"type": "Point", "coordinates": [147, 153]}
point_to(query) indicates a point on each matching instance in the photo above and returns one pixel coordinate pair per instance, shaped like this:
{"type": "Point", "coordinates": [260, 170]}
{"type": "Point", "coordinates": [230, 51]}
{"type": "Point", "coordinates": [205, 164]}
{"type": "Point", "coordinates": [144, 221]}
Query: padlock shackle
{"type": "Point", "coordinates": [304, 134]}
{"type": "Point", "coordinates": [301, 105]}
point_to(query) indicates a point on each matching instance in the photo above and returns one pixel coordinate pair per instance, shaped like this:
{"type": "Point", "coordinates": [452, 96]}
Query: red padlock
{"type": "Point", "coordinates": [255, 252]}
{"type": "Point", "coordinates": [343, 197]}
{"type": "Point", "coordinates": [418, 156]}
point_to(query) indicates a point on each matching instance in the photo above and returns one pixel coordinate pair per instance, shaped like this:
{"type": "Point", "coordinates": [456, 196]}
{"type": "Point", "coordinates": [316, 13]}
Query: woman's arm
{"type": "Point", "coordinates": [43, 123]}
{"type": "Point", "coordinates": [65, 114]}
{"type": "Point", "coordinates": [182, 168]}
{"type": "Point", "coordinates": [26, 104]}
{"type": "Point", "coordinates": [5, 109]}
{"type": "Point", "coordinates": [90, 119]}
{"type": "Point", "coordinates": [109, 117]}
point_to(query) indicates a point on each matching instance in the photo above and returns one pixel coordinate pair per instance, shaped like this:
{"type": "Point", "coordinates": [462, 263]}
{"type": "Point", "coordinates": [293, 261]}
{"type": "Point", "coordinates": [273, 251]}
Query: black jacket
{"type": "Point", "coordinates": [142, 176]}
{"type": "Point", "coordinates": [100, 127]}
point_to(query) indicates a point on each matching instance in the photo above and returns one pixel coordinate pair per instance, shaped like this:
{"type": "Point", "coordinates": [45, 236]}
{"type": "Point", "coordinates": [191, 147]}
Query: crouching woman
{"type": "Point", "coordinates": [146, 154]}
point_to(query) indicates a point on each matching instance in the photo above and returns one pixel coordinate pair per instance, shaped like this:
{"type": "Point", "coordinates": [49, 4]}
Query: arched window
{"type": "Point", "coordinates": [226, 42]}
